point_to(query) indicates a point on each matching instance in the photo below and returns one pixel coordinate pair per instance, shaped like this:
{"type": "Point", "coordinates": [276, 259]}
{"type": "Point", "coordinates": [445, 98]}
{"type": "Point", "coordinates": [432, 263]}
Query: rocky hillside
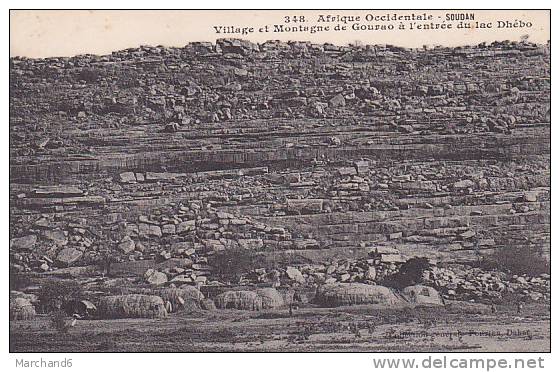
{"type": "Point", "coordinates": [317, 153]}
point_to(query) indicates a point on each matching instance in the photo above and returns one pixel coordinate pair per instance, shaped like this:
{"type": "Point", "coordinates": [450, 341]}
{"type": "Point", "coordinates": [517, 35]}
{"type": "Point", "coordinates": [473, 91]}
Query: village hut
{"type": "Point", "coordinates": [191, 292]}
{"type": "Point", "coordinates": [287, 295]}
{"type": "Point", "coordinates": [21, 309]}
{"type": "Point", "coordinates": [342, 294]}
{"type": "Point", "coordinates": [132, 306]}
{"type": "Point", "coordinates": [270, 298]}
{"type": "Point", "coordinates": [422, 295]}
{"type": "Point", "coordinates": [33, 298]}
{"type": "Point", "coordinates": [241, 300]}
{"type": "Point", "coordinates": [184, 297]}
{"type": "Point", "coordinates": [208, 304]}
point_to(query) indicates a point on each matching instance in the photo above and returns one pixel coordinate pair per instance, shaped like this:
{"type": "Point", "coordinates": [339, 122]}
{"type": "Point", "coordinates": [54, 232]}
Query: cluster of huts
{"type": "Point", "coordinates": [175, 299]}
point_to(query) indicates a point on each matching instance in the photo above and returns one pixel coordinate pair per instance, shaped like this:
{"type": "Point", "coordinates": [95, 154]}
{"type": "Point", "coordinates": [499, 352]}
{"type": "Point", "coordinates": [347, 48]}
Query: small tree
{"type": "Point", "coordinates": [90, 75]}
{"type": "Point", "coordinates": [410, 273]}
{"type": "Point", "coordinates": [54, 294]}
{"type": "Point", "coordinates": [414, 268]}
{"type": "Point", "coordinates": [232, 263]}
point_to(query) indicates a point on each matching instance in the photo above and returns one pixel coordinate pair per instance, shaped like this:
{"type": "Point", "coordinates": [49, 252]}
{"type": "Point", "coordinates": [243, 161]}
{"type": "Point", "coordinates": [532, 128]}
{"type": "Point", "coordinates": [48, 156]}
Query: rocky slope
{"type": "Point", "coordinates": [318, 153]}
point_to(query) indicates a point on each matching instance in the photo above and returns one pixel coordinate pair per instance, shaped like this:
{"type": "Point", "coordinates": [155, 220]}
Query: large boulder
{"type": "Point", "coordinates": [337, 101]}
{"type": "Point", "coordinates": [24, 242]}
{"type": "Point", "coordinates": [530, 196]}
{"type": "Point", "coordinates": [185, 226]}
{"type": "Point", "coordinates": [155, 277]}
{"type": "Point", "coordinates": [60, 191]}
{"type": "Point", "coordinates": [295, 275]}
{"type": "Point", "coordinates": [56, 236]}
{"type": "Point", "coordinates": [127, 177]}
{"type": "Point", "coordinates": [68, 256]}
{"type": "Point", "coordinates": [235, 46]}
{"type": "Point", "coordinates": [253, 244]}
{"type": "Point", "coordinates": [370, 274]}
{"type": "Point", "coordinates": [168, 229]}
{"type": "Point", "coordinates": [126, 245]}
{"type": "Point", "coordinates": [148, 230]}
{"type": "Point", "coordinates": [422, 295]}
{"type": "Point", "coordinates": [463, 184]}
{"type": "Point", "coordinates": [182, 279]}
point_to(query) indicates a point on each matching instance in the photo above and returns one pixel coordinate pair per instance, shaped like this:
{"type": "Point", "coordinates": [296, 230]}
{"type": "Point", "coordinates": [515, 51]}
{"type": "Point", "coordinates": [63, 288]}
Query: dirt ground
{"type": "Point", "coordinates": [456, 327]}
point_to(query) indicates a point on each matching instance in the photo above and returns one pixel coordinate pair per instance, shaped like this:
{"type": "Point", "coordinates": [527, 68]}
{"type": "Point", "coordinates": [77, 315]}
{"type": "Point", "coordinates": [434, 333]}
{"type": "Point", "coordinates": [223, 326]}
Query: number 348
{"type": "Point", "coordinates": [294, 19]}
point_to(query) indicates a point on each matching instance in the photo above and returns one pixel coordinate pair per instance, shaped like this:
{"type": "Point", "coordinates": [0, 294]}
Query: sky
{"type": "Point", "coordinates": [55, 33]}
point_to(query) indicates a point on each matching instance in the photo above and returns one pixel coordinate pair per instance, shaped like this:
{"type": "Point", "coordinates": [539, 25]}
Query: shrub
{"type": "Point", "coordinates": [105, 261]}
{"type": "Point", "coordinates": [414, 268]}
{"type": "Point", "coordinates": [232, 263]}
{"type": "Point", "coordinates": [54, 294]}
{"type": "Point", "coordinates": [410, 273]}
{"type": "Point", "coordinates": [89, 75]}
{"type": "Point", "coordinates": [517, 260]}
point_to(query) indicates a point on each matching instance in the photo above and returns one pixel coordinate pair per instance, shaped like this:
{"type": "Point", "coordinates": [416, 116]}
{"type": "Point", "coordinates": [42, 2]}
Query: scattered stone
{"type": "Point", "coordinates": [370, 274]}
{"type": "Point", "coordinates": [147, 230]}
{"type": "Point", "coordinates": [69, 256]}
{"type": "Point", "coordinates": [396, 235]}
{"type": "Point", "coordinates": [56, 236]}
{"type": "Point", "coordinates": [127, 177]}
{"type": "Point", "coordinates": [468, 234]}
{"type": "Point", "coordinates": [337, 101]}
{"type": "Point", "coordinates": [24, 242]}
{"type": "Point", "coordinates": [295, 275]}
{"type": "Point", "coordinates": [530, 196]}
{"type": "Point", "coordinates": [126, 245]}
{"type": "Point", "coordinates": [155, 277]}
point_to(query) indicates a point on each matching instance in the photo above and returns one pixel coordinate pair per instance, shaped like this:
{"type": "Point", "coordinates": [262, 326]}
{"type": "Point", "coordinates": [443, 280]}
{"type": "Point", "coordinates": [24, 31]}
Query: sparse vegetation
{"type": "Point", "coordinates": [59, 321]}
{"type": "Point", "coordinates": [89, 75]}
{"type": "Point", "coordinates": [18, 280]}
{"type": "Point", "coordinates": [518, 261]}
{"type": "Point", "coordinates": [54, 294]}
{"type": "Point", "coordinates": [232, 263]}
{"type": "Point", "coordinates": [410, 273]}
{"type": "Point", "coordinates": [107, 345]}
{"type": "Point", "coordinates": [327, 330]}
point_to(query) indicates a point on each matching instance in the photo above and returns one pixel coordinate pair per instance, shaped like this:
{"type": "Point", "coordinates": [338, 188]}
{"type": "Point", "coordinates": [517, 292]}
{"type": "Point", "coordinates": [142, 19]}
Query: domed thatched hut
{"type": "Point", "coordinates": [132, 306]}
{"type": "Point", "coordinates": [422, 295]}
{"type": "Point", "coordinates": [240, 300]}
{"type": "Point", "coordinates": [271, 298]}
{"type": "Point", "coordinates": [341, 294]}
{"type": "Point", "coordinates": [207, 304]}
{"type": "Point", "coordinates": [187, 297]}
{"type": "Point", "coordinates": [21, 309]}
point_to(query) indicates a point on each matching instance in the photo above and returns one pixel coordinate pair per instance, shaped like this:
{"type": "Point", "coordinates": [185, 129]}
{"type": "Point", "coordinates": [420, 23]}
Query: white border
{"type": "Point", "coordinates": [232, 361]}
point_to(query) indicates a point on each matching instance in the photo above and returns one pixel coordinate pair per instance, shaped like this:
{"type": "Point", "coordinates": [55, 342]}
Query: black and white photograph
{"type": "Point", "coordinates": [303, 181]}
